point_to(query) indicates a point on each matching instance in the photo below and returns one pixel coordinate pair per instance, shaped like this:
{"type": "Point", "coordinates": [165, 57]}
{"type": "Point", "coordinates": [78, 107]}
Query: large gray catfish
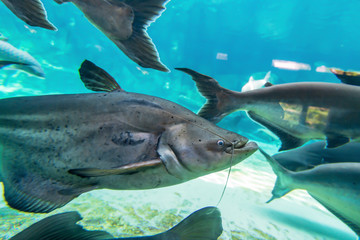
{"type": "Point", "coordinates": [335, 185]}
{"type": "Point", "coordinates": [314, 154]}
{"type": "Point", "coordinates": [56, 147]}
{"type": "Point", "coordinates": [295, 112]}
{"type": "Point", "coordinates": [204, 224]}
{"type": "Point", "coordinates": [125, 22]}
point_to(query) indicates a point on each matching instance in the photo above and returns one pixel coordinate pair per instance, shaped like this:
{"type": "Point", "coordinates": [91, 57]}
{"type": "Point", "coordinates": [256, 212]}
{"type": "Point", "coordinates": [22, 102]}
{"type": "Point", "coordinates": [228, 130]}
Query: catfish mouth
{"type": "Point", "coordinates": [242, 147]}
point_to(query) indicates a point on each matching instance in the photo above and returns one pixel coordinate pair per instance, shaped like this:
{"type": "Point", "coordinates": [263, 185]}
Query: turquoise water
{"type": "Point", "coordinates": [252, 34]}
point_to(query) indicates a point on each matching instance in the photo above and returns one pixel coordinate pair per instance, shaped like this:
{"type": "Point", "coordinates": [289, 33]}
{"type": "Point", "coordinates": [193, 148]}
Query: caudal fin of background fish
{"type": "Point", "coordinates": [138, 46]}
{"type": "Point", "coordinates": [211, 90]}
{"type": "Point", "coordinates": [204, 224]}
{"type": "Point", "coordinates": [30, 11]}
{"type": "Point", "coordinates": [283, 181]}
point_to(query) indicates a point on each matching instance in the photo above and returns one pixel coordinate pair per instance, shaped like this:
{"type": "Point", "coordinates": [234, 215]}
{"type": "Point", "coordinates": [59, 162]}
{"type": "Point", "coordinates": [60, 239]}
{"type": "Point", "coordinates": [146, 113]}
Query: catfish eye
{"type": "Point", "coordinates": [220, 142]}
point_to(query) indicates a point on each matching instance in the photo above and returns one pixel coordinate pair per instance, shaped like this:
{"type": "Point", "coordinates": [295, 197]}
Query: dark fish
{"type": "Point", "coordinates": [295, 112]}
{"type": "Point", "coordinates": [336, 186]}
{"type": "Point", "coordinates": [204, 224]}
{"type": "Point", "coordinates": [314, 154]}
{"type": "Point", "coordinates": [70, 144]}
{"type": "Point", "coordinates": [30, 11]}
{"type": "Point", "coordinates": [125, 22]}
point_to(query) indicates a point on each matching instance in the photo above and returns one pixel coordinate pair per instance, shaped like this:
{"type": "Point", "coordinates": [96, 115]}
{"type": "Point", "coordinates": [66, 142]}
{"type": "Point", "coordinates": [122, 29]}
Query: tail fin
{"type": "Point", "coordinates": [204, 224]}
{"type": "Point", "coordinates": [61, 226]}
{"type": "Point", "coordinates": [31, 11]}
{"type": "Point", "coordinates": [139, 47]}
{"type": "Point", "coordinates": [283, 180]}
{"type": "Point", "coordinates": [213, 110]}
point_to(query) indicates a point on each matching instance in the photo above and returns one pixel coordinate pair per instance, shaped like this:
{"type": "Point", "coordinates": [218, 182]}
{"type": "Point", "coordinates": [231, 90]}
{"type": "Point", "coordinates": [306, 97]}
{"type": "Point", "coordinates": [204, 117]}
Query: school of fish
{"type": "Point", "coordinates": [70, 144]}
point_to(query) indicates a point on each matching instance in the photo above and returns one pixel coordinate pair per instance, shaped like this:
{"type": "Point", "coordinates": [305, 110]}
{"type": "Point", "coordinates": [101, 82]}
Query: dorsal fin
{"type": "Point", "coordinates": [30, 11]}
{"type": "Point", "coordinates": [347, 77]}
{"type": "Point", "coordinates": [61, 226]}
{"type": "Point", "coordinates": [139, 47]}
{"type": "Point", "coordinates": [210, 89]}
{"type": "Point", "coordinates": [97, 79]}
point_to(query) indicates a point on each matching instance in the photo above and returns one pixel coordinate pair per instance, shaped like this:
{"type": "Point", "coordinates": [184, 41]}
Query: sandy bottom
{"type": "Point", "coordinates": [243, 208]}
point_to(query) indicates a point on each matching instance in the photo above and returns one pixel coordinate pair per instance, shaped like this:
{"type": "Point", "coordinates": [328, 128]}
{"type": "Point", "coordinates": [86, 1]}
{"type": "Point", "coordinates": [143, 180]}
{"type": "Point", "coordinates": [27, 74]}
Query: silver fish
{"type": "Point", "coordinates": [336, 186]}
{"type": "Point", "coordinates": [295, 112]}
{"type": "Point", "coordinates": [30, 11]}
{"type": "Point", "coordinates": [203, 224]}
{"type": "Point", "coordinates": [125, 22]}
{"type": "Point", "coordinates": [18, 59]}
{"type": "Point", "coordinates": [314, 154]}
{"type": "Point", "coordinates": [70, 144]}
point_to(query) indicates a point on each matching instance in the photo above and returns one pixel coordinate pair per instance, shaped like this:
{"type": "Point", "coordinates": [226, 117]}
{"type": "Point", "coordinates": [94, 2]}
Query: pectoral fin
{"type": "Point", "coordinates": [287, 141]}
{"type": "Point", "coordinates": [97, 79]}
{"type": "Point", "coordinates": [127, 169]}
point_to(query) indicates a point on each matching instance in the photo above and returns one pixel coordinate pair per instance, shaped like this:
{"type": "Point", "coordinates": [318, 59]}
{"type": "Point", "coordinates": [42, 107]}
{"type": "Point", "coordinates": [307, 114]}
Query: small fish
{"type": "Point", "coordinates": [336, 186]}
{"type": "Point", "coordinates": [125, 22]}
{"type": "Point", "coordinates": [30, 11]}
{"type": "Point", "coordinates": [295, 112]}
{"type": "Point", "coordinates": [253, 84]}
{"type": "Point", "coordinates": [314, 154]}
{"type": "Point", "coordinates": [204, 224]}
{"type": "Point", "coordinates": [18, 59]}
{"type": "Point", "coordinates": [73, 143]}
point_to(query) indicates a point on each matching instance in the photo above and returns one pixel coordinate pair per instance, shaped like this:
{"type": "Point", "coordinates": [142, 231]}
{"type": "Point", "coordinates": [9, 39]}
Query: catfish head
{"type": "Point", "coordinates": [189, 150]}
